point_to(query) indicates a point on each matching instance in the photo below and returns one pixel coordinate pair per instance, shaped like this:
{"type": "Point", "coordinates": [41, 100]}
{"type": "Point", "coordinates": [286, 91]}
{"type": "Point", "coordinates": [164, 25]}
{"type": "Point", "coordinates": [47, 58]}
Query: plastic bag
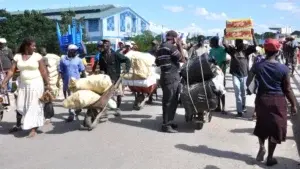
{"type": "Point", "coordinates": [194, 69]}
{"type": "Point", "coordinates": [96, 83]}
{"type": "Point", "coordinates": [218, 81]}
{"type": "Point", "coordinates": [48, 110]}
{"type": "Point", "coordinates": [196, 94]}
{"type": "Point", "coordinates": [112, 104]}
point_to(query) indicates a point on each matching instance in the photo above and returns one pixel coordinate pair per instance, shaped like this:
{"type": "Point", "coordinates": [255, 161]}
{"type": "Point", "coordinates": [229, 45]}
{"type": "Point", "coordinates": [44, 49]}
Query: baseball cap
{"type": "Point", "coordinates": [72, 47]}
{"type": "Point", "coordinates": [3, 40]}
{"type": "Point", "coordinates": [272, 45]}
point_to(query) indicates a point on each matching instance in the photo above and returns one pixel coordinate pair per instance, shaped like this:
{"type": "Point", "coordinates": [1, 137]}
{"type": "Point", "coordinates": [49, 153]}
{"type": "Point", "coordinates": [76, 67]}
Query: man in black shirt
{"type": "Point", "coordinates": [167, 58]}
{"type": "Point", "coordinates": [239, 68]}
{"type": "Point", "coordinates": [110, 64]}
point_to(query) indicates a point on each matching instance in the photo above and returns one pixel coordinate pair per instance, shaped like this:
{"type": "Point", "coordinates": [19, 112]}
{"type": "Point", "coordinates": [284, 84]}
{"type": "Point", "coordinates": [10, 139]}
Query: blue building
{"type": "Point", "coordinates": [104, 21]}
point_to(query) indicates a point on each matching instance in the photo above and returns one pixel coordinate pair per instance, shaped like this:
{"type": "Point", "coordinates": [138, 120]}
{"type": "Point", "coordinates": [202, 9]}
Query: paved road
{"type": "Point", "coordinates": [134, 142]}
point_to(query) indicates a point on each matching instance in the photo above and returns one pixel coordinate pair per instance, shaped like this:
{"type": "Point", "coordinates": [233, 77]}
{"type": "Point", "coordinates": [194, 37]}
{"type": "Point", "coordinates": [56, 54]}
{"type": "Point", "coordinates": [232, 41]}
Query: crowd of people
{"type": "Point", "coordinates": [269, 73]}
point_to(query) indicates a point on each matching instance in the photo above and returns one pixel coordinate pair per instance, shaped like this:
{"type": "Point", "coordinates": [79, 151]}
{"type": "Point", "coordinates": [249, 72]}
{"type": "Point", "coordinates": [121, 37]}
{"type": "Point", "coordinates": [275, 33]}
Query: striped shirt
{"type": "Point", "coordinates": [168, 60]}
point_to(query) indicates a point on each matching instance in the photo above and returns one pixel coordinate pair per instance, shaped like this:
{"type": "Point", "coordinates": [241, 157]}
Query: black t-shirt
{"type": "Point", "coordinates": [239, 65]}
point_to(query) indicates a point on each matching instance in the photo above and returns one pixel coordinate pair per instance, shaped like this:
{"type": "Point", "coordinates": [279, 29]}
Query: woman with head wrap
{"type": "Point", "coordinates": [270, 103]}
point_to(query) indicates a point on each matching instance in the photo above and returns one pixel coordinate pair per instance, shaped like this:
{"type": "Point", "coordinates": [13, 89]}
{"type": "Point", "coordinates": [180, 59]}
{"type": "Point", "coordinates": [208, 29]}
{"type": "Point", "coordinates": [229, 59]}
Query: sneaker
{"type": "Point", "coordinates": [168, 129]}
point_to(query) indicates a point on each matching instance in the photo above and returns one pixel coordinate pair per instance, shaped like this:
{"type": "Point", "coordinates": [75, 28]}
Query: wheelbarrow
{"type": "Point", "coordinates": [98, 109]}
{"type": "Point", "coordinates": [142, 94]}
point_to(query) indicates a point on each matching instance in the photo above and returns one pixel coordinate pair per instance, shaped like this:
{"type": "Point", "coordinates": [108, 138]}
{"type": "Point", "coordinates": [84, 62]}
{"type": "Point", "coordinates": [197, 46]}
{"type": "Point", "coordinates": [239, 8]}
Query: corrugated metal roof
{"type": "Point", "coordinates": [105, 11]}
{"type": "Point", "coordinates": [86, 8]}
{"type": "Point", "coordinates": [111, 12]}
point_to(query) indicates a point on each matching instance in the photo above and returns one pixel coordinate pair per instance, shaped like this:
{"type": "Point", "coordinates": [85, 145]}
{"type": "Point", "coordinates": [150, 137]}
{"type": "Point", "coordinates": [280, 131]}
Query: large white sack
{"type": "Point", "coordinates": [96, 83]}
{"type": "Point", "coordinates": [52, 69]}
{"type": "Point", "coordinates": [53, 74]}
{"type": "Point", "coordinates": [51, 60]}
{"type": "Point", "coordinates": [81, 99]}
{"type": "Point", "coordinates": [218, 81]}
{"type": "Point", "coordinates": [85, 98]}
{"type": "Point", "coordinates": [147, 57]}
{"type": "Point", "coordinates": [141, 65]}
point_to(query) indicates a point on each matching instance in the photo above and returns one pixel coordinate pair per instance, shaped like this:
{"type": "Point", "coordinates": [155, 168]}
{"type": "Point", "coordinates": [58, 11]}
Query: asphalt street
{"type": "Point", "coordinates": [134, 141]}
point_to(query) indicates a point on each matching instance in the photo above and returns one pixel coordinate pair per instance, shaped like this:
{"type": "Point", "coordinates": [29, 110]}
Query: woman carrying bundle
{"type": "Point", "coordinates": [33, 78]}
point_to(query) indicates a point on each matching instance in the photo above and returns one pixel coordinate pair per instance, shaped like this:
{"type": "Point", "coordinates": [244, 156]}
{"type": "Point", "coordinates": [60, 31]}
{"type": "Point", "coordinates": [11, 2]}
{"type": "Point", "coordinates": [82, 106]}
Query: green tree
{"type": "Point", "coordinates": [30, 24]}
{"type": "Point", "coordinates": [267, 35]}
{"type": "Point", "coordinates": [297, 33]}
{"type": "Point", "coordinates": [143, 41]}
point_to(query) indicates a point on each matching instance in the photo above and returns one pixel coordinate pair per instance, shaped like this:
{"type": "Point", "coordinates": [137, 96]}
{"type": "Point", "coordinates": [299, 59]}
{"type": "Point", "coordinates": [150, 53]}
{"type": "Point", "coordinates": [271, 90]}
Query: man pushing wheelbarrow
{"type": "Point", "coordinates": [110, 64]}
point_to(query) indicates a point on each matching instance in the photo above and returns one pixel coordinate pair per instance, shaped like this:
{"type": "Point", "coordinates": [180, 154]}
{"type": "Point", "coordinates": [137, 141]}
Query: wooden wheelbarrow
{"type": "Point", "coordinates": [96, 110]}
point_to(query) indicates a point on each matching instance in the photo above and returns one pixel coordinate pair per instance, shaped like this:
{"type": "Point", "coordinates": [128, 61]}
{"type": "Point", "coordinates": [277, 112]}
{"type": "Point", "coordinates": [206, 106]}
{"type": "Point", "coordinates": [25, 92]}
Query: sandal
{"type": "Point", "coordinates": [260, 155]}
{"type": "Point", "coordinates": [32, 134]}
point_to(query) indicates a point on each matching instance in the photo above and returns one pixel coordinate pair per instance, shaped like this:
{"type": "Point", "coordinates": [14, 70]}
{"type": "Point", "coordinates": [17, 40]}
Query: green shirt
{"type": "Point", "coordinates": [219, 54]}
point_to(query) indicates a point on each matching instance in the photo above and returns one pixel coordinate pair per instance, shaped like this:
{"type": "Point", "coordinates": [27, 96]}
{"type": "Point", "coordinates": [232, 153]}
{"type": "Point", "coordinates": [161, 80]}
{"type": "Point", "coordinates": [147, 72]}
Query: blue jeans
{"type": "Point", "coordinates": [239, 84]}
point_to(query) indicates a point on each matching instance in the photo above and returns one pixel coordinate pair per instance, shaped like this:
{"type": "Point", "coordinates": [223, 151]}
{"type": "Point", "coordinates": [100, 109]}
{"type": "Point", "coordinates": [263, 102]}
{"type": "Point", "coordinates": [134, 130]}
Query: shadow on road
{"type": "Point", "coordinates": [155, 124]}
{"type": "Point", "coordinates": [201, 149]}
{"type": "Point", "coordinates": [232, 114]}
{"type": "Point", "coordinates": [241, 131]}
{"type": "Point", "coordinates": [211, 167]}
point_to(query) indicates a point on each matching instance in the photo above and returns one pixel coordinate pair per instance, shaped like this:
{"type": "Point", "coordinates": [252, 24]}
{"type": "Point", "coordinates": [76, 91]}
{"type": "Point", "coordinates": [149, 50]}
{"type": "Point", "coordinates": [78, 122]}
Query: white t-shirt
{"type": "Point", "coordinates": [29, 69]}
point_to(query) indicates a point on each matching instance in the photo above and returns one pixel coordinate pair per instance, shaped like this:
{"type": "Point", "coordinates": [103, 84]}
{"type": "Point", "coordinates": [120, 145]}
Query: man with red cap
{"type": "Point", "coordinates": [167, 58]}
{"type": "Point", "coordinates": [270, 104]}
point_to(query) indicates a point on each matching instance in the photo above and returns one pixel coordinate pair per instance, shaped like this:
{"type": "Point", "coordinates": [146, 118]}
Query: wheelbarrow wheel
{"type": "Point", "coordinates": [199, 126]}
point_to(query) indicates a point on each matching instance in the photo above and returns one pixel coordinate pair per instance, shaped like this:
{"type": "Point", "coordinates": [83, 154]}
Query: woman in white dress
{"type": "Point", "coordinates": [33, 76]}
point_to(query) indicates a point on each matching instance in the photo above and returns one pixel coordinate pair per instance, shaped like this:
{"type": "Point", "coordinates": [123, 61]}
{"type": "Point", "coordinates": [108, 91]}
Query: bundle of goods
{"type": "Point", "coordinates": [87, 91]}
{"type": "Point", "coordinates": [198, 96]}
{"type": "Point", "coordinates": [192, 69]}
{"type": "Point", "coordinates": [96, 83]}
{"type": "Point", "coordinates": [52, 63]}
{"type": "Point", "coordinates": [239, 29]}
{"type": "Point", "coordinates": [85, 98]}
{"type": "Point", "coordinates": [142, 73]}
{"type": "Point", "coordinates": [194, 95]}
{"type": "Point", "coordinates": [141, 65]}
